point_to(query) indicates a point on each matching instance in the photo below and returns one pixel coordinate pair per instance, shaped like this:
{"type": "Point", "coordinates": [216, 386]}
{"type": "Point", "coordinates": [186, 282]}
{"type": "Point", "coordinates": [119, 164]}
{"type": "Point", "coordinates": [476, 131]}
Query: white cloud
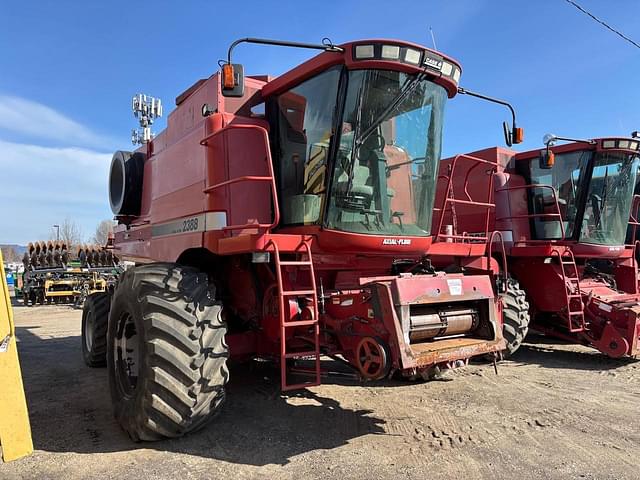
{"type": "Point", "coordinates": [41, 186]}
{"type": "Point", "coordinates": [33, 119]}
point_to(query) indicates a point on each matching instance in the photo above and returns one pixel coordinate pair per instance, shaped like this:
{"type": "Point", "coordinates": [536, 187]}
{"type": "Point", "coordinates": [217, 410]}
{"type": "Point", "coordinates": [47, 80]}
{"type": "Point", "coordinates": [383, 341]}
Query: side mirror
{"type": "Point", "coordinates": [507, 134]}
{"type": "Point", "coordinates": [547, 159]}
{"type": "Point", "coordinates": [232, 76]}
{"type": "Point", "coordinates": [512, 135]}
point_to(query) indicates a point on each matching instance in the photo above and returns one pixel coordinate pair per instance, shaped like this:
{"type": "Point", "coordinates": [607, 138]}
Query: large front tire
{"type": "Point", "coordinates": [167, 356]}
{"type": "Point", "coordinates": [95, 318]}
{"type": "Point", "coordinates": [515, 316]}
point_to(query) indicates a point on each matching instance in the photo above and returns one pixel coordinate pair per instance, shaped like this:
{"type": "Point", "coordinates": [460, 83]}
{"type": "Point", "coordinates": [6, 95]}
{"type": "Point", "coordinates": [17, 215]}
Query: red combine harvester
{"type": "Point", "coordinates": [564, 213]}
{"type": "Point", "coordinates": [294, 217]}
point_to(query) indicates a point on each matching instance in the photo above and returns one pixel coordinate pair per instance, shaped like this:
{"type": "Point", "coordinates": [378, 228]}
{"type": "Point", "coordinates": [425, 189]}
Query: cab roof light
{"type": "Point", "coordinates": [623, 144]}
{"type": "Point", "coordinates": [364, 51]}
{"type": "Point", "coordinates": [390, 52]}
{"type": "Point", "coordinates": [425, 59]}
{"type": "Point", "coordinates": [456, 75]}
{"type": "Point", "coordinates": [412, 56]}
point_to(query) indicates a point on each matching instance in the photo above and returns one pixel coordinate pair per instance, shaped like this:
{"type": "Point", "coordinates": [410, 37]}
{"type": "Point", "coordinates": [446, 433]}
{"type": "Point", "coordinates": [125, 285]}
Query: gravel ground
{"type": "Point", "coordinates": [554, 411]}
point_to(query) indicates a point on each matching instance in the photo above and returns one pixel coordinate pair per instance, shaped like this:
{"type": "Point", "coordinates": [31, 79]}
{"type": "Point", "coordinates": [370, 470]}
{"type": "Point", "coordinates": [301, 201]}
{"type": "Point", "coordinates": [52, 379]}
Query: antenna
{"type": "Point", "coordinates": [433, 38]}
{"type": "Point", "coordinates": [146, 109]}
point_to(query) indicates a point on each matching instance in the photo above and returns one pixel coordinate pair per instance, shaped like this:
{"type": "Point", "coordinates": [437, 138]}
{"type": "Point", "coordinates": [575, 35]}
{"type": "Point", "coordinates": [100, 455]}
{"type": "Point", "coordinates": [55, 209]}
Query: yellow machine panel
{"type": "Point", "coordinates": [15, 431]}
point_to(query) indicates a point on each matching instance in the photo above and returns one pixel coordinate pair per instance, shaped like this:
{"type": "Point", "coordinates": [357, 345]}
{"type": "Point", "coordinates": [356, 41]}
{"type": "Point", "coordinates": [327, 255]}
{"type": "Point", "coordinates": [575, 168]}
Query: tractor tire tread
{"type": "Point", "coordinates": [515, 317]}
{"type": "Point", "coordinates": [178, 369]}
{"type": "Point", "coordinates": [98, 305]}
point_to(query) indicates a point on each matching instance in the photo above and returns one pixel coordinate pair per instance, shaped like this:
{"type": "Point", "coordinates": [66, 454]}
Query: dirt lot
{"type": "Point", "coordinates": [555, 411]}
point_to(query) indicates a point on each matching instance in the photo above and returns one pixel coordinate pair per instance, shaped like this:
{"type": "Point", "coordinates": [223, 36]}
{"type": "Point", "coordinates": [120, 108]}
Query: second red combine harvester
{"type": "Point", "coordinates": [564, 212]}
{"type": "Point", "coordinates": [294, 216]}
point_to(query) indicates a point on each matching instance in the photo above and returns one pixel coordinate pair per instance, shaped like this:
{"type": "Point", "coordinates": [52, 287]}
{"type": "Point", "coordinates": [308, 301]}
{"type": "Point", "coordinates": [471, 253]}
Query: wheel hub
{"type": "Point", "coordinates": [126, 354]}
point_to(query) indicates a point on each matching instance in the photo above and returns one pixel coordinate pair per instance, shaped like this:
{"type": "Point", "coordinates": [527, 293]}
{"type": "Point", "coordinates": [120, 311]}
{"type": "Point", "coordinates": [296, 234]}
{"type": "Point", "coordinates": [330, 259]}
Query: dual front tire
{"type": "Point", "coordinates": [165, 350]}
{"type": "Point", "coordinates": [515, 317]}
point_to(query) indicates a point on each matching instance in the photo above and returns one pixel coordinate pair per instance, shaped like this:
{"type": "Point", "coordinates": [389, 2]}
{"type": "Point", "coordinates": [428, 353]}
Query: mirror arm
{"type": "Point", "coordinates": [326, 45]}
{"type": "Point", "coordinates": [552, 139]}
{"type": "Point", "coordinates": [555, 138]}
{"type": "Point", "coordinates": [464, 91]}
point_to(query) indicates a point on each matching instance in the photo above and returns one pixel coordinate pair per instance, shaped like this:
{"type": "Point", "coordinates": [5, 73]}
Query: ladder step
{"type": "Point", "coordinates": [300, 323]}
{"type": "Point", "coordinates": [287, 293]}
{"type": "Point", "coordinates": [298, 386]}
{"type": "Point", "coordinates": [295, 262]}
{"type": "Point", "coordinates": [311, 353]}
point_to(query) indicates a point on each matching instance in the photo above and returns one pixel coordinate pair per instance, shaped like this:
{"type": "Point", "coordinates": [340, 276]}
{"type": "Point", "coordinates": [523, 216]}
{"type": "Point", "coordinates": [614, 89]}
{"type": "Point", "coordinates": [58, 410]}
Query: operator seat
{"type": "Point", "coordinates": [361, 175]}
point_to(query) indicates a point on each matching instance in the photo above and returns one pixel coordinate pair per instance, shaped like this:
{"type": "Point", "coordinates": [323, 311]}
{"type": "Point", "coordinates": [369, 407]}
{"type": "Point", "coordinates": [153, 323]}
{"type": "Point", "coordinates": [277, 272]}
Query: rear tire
{"type": "Point", "coordinates": [95, 318]}
{"type": "Point", "coordinates": [515, 317]}
{"type": "Point", "coordinates": [167, 355]}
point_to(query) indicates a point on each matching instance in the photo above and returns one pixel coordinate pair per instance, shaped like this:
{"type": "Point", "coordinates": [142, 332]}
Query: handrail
{"type": "Point", "coordinates": [504, 252]}
{"type": "Point", "coordinates": [448, 199]}
{"type": "Point", "coordinates": [558, 215]}
{"type": "Point", "coordinates": [249, 178]}
{"type": "Point", "coordinates": [635, 262]}
{"type": "Point", "coordinates": [245, 178]}
{"type": "Point", "coordinates": [633, 217]}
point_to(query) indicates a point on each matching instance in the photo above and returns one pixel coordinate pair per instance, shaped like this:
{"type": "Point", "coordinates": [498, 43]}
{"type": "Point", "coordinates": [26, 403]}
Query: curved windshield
{"type": "Point", "coordinates": [608, 199]}
{"type": "Point", "coordinates": [387, 156]}
{"type": "Point", "coordinates": [609, 180]}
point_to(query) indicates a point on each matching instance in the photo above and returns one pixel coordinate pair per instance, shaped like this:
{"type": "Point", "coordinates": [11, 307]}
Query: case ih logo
{"type": "Point", "coordinates": [433, 62]}
{"type": "Point", "coordinates": [396, 241]}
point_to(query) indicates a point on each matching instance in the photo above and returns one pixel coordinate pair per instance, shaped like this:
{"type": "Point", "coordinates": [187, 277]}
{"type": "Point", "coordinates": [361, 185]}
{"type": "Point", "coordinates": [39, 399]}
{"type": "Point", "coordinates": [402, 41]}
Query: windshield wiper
{"type": "Point", "coordinates": [404, 91]}
{"type": "Point", "coordinates": [605, 192]}
{"type": "Point", "coordinates": [359, 140]}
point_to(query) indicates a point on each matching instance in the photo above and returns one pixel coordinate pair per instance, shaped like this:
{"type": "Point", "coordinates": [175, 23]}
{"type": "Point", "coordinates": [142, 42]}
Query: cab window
{"type": "Point", "coordinates": [305, 122]}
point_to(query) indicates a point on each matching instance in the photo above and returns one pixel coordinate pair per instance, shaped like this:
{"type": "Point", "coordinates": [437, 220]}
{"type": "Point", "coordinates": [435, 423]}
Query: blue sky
{"type": "Point", "coordinates": [68, 70]}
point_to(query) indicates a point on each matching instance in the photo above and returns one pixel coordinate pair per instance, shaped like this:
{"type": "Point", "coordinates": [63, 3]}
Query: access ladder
{"type": "Point", "coordinates": [571, 280]}
{"type": "Point", "coordinates": [286, 324]}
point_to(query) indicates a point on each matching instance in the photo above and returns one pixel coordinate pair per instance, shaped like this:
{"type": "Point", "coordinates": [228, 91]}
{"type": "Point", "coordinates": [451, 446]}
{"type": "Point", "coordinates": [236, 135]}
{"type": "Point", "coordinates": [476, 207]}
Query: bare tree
{"type": "Point", "coordinates": [9, 254]}
{"type": "Point", "coordinates": [70, 233]}
{"type": "Point", "coordinates": [104, 228]}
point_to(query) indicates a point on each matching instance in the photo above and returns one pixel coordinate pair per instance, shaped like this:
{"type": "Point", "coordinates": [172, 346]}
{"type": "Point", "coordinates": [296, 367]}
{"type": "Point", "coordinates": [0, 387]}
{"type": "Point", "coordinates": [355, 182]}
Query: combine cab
{"type": "Point", "coordinates": [564, 212]}
{"type": "Point", "coordinates": [288, 219]}
{"type": "Point", "coordinates": [52, 275]}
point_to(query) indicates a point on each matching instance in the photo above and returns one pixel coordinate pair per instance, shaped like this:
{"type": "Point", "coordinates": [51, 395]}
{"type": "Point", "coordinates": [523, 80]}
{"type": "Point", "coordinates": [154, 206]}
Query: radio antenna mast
{"type": "Point", "coordinates": [433, 38]}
